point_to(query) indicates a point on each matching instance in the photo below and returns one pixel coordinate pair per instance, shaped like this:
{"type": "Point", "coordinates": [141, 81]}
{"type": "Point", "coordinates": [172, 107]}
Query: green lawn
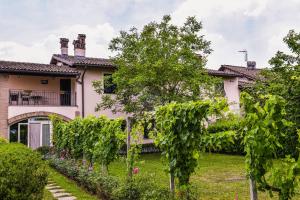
{"type": "Point", "coordinates": [69, 186]}
{"type": "Point", "coordinates": [217, 177]}
{"type": "Point", "coordinates": [48, 195]}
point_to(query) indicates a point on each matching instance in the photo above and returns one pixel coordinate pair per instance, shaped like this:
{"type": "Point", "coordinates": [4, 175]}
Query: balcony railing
{"type": "Point", "coordinates": [40, 98]}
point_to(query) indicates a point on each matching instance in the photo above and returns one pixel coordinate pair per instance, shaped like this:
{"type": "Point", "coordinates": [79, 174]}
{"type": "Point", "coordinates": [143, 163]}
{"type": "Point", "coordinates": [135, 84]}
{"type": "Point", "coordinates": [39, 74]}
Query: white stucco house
{"type": "Point", "coordinates": [30, 92]}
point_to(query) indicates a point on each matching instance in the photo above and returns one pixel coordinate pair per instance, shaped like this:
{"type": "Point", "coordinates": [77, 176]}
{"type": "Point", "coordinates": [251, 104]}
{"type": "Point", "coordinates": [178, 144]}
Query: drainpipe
{"type": "Point", "coordinates": [82, 89]}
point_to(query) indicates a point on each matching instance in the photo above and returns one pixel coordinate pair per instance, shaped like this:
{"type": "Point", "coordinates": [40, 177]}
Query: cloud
{"type": "Point", "coordinates": [232, 25]}
{"type": "Point", "coordinates": [97, 41]}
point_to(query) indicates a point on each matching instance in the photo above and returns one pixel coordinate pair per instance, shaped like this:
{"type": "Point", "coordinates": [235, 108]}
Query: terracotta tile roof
{"type": "Point", "coordinates": [244, 71]}
{"type": "Point", "coordinates": [35, 68]}
{"type": "Point", "coordinates": [78, 60]}
{"type": "Point", "coordinates": [222, 73]}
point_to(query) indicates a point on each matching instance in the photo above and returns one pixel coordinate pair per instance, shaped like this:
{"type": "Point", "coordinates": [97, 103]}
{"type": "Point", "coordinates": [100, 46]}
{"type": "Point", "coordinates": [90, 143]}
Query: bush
{"type": "Point", "coordinates": [224, 142]}
{"type": "Point", "coordinates": [95, 183]}
{"type": "Point", "coordinates": [23, 174]}
{"type": "Point", "coordinates": [3, 141]}
{"type": "Point", "coordinates": [224, 124]}
{"type": "Point", "coordinates": [107, 187]}
{"type": "Point", "coordinates": [44, 150]}
{"type": "Point", "coordinates": [141, 187]}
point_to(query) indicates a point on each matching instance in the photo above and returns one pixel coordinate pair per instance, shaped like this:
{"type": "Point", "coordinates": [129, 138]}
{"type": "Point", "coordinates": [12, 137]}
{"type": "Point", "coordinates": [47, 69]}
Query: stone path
{"type": "Point", "coordinates": [58, 192]}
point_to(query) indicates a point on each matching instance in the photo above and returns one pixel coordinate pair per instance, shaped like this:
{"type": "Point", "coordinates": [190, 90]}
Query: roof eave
{"type": "Point", "coordinates": [40, 73]}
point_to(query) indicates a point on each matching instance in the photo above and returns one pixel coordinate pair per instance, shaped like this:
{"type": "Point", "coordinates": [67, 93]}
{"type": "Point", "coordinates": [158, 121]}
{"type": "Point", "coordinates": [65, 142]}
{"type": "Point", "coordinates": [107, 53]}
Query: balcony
{"type": "Point", "coordinates": [41, 98]}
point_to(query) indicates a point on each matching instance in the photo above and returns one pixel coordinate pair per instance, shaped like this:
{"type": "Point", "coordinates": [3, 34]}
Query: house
{"type": "Point", "coordinates": [30, 92]}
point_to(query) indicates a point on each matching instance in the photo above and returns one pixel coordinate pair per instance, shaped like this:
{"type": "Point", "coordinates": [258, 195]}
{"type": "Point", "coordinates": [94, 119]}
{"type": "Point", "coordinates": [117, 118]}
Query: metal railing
{"type": "Point", "coordinates": [37, 98]}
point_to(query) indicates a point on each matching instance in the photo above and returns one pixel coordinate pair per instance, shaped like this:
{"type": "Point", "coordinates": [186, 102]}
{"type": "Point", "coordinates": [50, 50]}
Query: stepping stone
{"type": "Point", "coordinates": [63, 194]}
{"type": "Point", "coordinates": [50, 184]}
{"type": "Point", "coordinates": [67, 198]}
{"type": "Point", "coordinates": [52, 187]}
{"type": "Point", "coordinates": [56, 190]}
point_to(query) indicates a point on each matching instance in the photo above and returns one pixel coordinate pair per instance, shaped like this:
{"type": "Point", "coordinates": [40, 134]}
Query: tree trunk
{"type": "Point", "coordinates": [253, 190]}
{"type": "Point", "coordinates": [104, 169]}
{"type": "Point", "coordinates": [172, 183]}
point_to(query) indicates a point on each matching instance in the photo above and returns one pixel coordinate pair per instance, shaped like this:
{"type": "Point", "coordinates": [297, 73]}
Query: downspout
{"type": "Point", "coordinates": [82, 89]}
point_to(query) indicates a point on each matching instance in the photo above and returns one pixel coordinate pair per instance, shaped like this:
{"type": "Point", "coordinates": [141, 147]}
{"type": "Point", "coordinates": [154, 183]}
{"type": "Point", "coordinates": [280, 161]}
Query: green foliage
{"type": "Point", "coordinates": [100, 184]}
{"type": "Point", "coordinates": [23, 174]}
{"type": "Point", "coordinates": [3, 141]}
{"type": "Point", "coordinates": [265, 123]}
{"type": "Point", "coordinates": [43, 150]}
{"type": "Point", "coordinates": [283, 79]}
{"type": "Point", "coordinates": [180, 128]}
{"type": "Point", "coordinates": [141, 187]}
{"type": "Point", "coordinates": [229, 123]}
{"type": "Point", "coordinates": [225, 136]}
{"type": "Point", "coordinates": [96, 139]}
{"type": "Point", "coordinates": [109, 142]}
{"type": "Point", "coordinates": [160, 64]}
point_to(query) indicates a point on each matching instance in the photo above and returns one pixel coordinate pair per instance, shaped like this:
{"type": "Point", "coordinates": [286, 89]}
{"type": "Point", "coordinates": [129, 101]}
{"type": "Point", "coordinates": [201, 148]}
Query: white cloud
{"type": "Point", "coordinates": [97, 41]}
{"type": "Point", "coordinates": [232, 25]}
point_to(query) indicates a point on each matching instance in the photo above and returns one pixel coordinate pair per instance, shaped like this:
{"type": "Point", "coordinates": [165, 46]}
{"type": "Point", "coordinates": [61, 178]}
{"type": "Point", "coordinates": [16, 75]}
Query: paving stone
{"type": "Point", "coordinates": [61, 194]}
{"type": "Point", "coordinates": [67, 198]}
{"type": "Point", "coordinates": [52, 187]}
{"type": "Point", "coordinates": [56, 190]}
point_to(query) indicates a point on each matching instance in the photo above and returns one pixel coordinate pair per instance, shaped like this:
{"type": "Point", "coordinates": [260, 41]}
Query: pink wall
{"type": "Point", "coordinates": [23, 82]}
{"type": "Point", "coordinates": [91, 97]}
{"type": "Point", "coordinates": [232, 93]}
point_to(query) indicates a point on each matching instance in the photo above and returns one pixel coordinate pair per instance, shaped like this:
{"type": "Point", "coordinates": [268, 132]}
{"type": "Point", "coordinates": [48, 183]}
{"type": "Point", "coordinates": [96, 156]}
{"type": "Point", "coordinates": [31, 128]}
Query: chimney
{"type": "Point", "coordinates": [79, 45]}
{"type": "Point", "coordinates": [64, 46]}
{"type": "Point", "coordinates": [251, 64]}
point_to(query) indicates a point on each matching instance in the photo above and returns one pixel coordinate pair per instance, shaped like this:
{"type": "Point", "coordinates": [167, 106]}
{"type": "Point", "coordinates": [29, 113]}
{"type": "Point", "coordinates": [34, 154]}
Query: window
{"type": "Point", "coordinates": [109, 86]}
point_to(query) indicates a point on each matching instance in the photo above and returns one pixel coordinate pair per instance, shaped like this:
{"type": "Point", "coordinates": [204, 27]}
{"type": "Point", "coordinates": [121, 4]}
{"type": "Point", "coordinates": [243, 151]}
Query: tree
{"type": "Point", "coordinates": [264, 125]}
{"type": "Point", "coordinates": [161, 64]}
{"type": "Point", "coordinates": [283, 79]}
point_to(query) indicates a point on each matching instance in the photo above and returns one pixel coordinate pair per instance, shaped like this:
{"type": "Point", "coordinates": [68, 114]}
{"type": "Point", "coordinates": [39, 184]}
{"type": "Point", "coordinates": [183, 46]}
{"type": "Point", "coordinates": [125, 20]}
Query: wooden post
{"type": "Point", "coordinates": [172, 183]}
{"type": "Point", "coordinates": [128, 124]}
{"type": "Point", "coordinates": [253, 190]}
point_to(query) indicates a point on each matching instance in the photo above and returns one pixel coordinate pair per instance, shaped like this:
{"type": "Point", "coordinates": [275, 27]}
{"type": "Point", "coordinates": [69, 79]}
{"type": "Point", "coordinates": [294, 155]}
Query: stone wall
{"type": "Point", "coordinates": [4, 94]}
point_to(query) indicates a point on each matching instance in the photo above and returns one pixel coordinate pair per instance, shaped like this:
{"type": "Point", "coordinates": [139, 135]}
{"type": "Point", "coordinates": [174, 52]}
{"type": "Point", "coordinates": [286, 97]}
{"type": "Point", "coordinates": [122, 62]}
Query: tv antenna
{"type": "Point", "coordinates": [245, 54]}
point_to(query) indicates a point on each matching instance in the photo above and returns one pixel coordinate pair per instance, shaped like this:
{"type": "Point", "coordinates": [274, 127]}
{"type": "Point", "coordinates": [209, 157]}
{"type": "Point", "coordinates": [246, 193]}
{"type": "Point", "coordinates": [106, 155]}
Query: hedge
{"type": "Point", "coordinates": [23, 174]}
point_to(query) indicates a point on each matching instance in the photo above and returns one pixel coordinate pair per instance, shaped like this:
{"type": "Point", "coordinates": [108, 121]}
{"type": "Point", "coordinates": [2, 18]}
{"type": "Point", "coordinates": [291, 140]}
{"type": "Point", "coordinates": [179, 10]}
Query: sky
{"type": "Point", "coordinates": [30, 29]}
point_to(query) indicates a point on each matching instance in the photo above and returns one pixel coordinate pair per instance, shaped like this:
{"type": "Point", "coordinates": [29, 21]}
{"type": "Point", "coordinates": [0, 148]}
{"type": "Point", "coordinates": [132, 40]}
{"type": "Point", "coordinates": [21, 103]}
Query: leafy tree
{"type": "Point", "coordinates": [283, 79]}
{"type": "Point", "coordinates": [264, 125]}
{"type": "Point", "coordinates": [161, 64]}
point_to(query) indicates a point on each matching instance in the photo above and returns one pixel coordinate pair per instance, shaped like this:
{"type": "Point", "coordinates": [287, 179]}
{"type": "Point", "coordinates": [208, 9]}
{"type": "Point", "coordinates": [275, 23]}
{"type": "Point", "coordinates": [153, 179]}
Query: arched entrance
{"type": "Point", "coordinates": [32, 129]}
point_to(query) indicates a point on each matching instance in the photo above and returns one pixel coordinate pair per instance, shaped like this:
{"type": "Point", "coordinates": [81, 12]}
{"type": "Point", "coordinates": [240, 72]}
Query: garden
{"type": "Point", "coordinates": [200, 151]}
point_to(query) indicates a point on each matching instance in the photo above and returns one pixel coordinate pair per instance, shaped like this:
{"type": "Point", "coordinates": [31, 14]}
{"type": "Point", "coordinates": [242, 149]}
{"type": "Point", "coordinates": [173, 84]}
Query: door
{"type": "Point", "coordinates": [65, 92]}
{"type": "Point", "coordinates": [34, 135]}
{"type": "Point", "coordinates": [23, 133]}
{"type": "Point", "coordinates": [45, 134]}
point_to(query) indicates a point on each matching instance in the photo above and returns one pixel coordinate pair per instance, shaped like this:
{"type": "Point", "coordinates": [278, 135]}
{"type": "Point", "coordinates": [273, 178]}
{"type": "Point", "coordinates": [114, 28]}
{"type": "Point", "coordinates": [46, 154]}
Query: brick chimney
{"type": "Point", "coordinates": [251, 65]}
{"type": "Point", "coordinates": [79, 45]}
{"type": "Point", "coordinates": [64, 46]}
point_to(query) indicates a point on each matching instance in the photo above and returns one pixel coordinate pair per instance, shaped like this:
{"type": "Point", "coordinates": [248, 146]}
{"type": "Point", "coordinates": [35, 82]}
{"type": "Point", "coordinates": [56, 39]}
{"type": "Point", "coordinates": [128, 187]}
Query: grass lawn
{"type": "Point", "coordinates": [69, 186]}
{"type": "Point", "coordinates": [48, 195]}
{"type": "Point", "coordinates": [218, 176]}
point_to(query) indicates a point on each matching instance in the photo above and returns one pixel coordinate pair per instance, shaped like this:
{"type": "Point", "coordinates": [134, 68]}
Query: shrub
{"type": "Point", "coordinates": [223, 142]}
{"type": "Point", "coordinates": [23, 174]}
{"type": "Point", "coordinates": [95, 183]}
{"type": "Point", "coordinates": [3, 141]}
{"type": "Point", "coordinates": [141, 187]}
{"type": "Point", "coordinates": [225, 124]}
{"type": "Point", "coordinates": [44, 150]}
